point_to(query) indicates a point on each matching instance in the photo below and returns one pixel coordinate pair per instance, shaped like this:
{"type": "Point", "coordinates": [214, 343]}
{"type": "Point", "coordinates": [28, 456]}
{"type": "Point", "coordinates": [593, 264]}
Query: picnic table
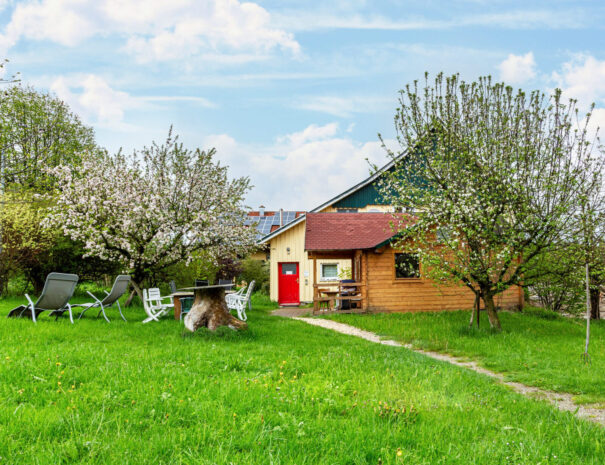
{"type": "Point", "coordinates": [209, 308]}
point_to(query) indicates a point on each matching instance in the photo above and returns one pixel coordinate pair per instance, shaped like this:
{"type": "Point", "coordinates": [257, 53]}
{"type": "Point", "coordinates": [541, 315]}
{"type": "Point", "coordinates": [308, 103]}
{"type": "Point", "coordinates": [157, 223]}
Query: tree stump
{"type": "Point", "coordinates": [209, 309]}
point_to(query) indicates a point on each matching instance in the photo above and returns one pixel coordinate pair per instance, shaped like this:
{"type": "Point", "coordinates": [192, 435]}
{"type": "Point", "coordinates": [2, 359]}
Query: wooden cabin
{"type": "Point", "coordinates": [379, 282]}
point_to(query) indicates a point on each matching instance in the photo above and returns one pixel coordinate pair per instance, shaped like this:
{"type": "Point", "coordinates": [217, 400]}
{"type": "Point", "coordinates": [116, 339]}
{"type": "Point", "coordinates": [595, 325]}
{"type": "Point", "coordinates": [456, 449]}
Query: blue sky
{"type": "Point", "coordinates": [291, 93]}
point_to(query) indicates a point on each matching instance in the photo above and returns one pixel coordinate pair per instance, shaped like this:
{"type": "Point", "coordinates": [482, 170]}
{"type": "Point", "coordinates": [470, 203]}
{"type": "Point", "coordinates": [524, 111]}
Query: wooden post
{"type": "Point", "coordinates": [365, 291]}
{"type": "Point", "coordinates": [315, 293]}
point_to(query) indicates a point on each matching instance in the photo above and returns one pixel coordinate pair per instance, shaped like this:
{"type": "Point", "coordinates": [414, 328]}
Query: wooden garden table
{"type": "Point", "coordinates": [209, 308]}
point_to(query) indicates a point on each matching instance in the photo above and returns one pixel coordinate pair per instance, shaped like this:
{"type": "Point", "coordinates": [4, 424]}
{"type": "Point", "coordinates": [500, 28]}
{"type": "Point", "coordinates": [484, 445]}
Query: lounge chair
{"type": "Point", "coordinates": [239, 302]}
{"type": "Point", "coordinates": [120, 285]}
{"type": "Point", "coordinates": [58, 289]}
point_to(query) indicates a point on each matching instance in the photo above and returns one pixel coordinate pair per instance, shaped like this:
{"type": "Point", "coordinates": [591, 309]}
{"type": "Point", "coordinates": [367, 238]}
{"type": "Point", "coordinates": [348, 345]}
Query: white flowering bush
{"type": "Point", "coordinates": [496, 178]}
{"type": "Point", "coordinates": [153, 208]}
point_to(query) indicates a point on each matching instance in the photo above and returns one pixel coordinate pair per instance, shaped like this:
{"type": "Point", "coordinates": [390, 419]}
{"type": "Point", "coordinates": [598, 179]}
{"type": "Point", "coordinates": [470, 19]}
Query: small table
{"type": "Point", "coordinates": [330, 294]}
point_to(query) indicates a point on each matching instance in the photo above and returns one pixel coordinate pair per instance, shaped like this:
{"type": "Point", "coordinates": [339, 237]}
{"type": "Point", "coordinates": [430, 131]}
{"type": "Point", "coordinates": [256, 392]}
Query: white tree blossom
{"type": "Point", "coordinates": [496, 177]}
{"type": "Point", "coordinates": [152, 209]}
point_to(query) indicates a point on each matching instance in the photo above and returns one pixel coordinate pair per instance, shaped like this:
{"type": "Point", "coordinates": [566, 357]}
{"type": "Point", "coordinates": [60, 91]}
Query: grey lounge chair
{"type": "Point", "coordinates": [58, 289]}
{"type": "Point", "coordinates": [120, 285]}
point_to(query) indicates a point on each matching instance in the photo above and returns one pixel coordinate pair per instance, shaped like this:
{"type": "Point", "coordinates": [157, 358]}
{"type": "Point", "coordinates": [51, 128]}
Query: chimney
{"type": "Point", "coordinates": [261, 210]}
{"type": "Point", "coordinates": [281, 217]}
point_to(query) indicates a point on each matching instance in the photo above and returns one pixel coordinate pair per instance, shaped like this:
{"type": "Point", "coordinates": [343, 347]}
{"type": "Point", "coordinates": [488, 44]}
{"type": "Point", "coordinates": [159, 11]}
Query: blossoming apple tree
{"type": "Point", "coordinates": [496, 178]}
{"type": "Point", "coordinates": [153, 208]}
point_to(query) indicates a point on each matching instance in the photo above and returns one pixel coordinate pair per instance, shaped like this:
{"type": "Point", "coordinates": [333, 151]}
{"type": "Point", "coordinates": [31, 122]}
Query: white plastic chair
{"type": "Point", "coordinates": [239, 301]}
{"type": "Point", "coordinates": [154, 304]}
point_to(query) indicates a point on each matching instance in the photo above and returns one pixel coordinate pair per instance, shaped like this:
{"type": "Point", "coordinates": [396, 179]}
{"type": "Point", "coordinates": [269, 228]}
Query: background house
{"type": "Point", "coordinates": [291, 269]}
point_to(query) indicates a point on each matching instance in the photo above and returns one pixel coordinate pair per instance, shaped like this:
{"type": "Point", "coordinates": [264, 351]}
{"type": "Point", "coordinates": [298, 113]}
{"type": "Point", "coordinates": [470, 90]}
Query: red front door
{"type": "Point", "coordinates": [288, 284]}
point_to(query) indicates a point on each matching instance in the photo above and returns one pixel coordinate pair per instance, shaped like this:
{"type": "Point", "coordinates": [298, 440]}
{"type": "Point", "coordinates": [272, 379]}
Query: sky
{"type": "Point", "coordinates": [291, 93]}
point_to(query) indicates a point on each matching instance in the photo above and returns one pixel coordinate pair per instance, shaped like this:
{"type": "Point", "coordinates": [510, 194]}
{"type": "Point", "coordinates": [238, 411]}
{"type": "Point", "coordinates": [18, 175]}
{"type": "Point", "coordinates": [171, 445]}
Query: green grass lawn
{"type": "Point", "coordinates": [282, 392]}
{"type": "Point", "coordinates": [535, 347]}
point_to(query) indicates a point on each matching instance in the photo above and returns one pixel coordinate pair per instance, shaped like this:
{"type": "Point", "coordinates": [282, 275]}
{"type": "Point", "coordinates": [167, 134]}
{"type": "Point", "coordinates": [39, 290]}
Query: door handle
{"type": "Point", "coordinates": [297, 281]}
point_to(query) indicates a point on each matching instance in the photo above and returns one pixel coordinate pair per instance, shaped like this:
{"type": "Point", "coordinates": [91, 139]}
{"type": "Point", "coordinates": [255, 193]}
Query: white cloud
{"type": "Point", "coordinates": [516, 19]}
{"type": "Point", "coordinates": [201, 101]}
{"type": "Point", "coordinates": [582, 78]}
{"type": "Point", "coordinates": [92, 98]}
{"type": "Point", "coordinates": [310, 134]}
{"type": "Point", "coordinates": [153, 30]}
{"type": "Point", "coordinates": [343, 107]}
{"type": "Point", "coordinates": [301, 170]}
{"type": "Point", "coordinates": [517, 69]}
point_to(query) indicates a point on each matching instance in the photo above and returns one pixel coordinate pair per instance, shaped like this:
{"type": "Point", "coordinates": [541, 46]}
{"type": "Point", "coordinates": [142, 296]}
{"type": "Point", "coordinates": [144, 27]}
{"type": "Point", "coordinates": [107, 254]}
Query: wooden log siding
{"type": "Point", "coordinates": [385, 293]}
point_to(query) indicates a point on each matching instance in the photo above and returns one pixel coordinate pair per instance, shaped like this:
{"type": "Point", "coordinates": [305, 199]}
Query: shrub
{"type": "Point", "coordinates": [258, 271]}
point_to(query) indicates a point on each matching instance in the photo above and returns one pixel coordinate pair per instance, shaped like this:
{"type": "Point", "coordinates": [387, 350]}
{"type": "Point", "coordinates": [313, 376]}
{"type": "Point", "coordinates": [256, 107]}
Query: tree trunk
{"type": "Point", "coordinates": [129, 299]}
{"type": "Point", "coordinates": [587, 277]}
{"type": "Point", "coordinates": [595, 297]}
{"type": "Point", "coordinates": [476, 312]}
{"type": "Point", "coordinates": [210, 310]}
{"type": "Point", "coordinates": [490, 307]}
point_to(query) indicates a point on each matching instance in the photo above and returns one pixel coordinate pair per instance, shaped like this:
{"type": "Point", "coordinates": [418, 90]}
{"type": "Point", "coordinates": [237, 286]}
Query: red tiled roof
{"type": "Point", "coordinates": [347, 231]}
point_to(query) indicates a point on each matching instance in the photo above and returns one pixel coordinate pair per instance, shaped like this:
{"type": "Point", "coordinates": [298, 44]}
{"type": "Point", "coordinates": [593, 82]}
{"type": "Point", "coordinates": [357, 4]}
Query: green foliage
{"type": "Point", "coordinates": [31, 249]}
{"type": "Point", "coordinates": [257, 270]}
{"type": "Point", "coordinates": [345, 273]}
{"type": "Point", "coordinates": [556, 278]}
{"type": "Point", "coordinates": [37, 132]}
{"type": "Point", "coordinates": [201, 266]}
{"type": "Point", "coordinates": [282, 392]}
{"type": "Point", "coordinates": [24, 240]}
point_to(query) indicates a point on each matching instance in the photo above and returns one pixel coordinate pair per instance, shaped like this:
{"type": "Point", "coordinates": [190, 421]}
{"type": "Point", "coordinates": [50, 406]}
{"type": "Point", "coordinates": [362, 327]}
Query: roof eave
{"type": "Point", "coordinates": [332, 201]}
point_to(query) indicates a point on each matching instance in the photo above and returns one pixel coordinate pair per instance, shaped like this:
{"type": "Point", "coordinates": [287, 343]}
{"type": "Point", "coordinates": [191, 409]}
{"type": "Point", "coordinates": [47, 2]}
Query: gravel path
{"type": "Point", "coordinates": [561, 400]}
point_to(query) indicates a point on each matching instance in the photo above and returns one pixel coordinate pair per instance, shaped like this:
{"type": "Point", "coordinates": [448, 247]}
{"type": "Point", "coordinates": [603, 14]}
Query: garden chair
{"type": "Point", "coordinates": [239, 302]}
{"type": "Point", "coordinates": [172, 286]}
{"type": "Point", "coordinates": [58, 289]}
{"type": "Point", "coordinates": [201, 282]}
{"type": "Point", "coordinates": [224, 282]}
{"type": "Point", "coordinates": [154, 304]}
{"type": "Point", "coordinates": [186, 304]}
{"type": "Point", "coordinates": [120, 285]}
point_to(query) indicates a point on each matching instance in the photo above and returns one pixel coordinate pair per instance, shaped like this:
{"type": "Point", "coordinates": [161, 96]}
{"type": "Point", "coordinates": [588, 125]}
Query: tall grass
{"type": "Point", "coordinates": [282, 392]}
{"type": "Point", "coordinates": [536, 347]}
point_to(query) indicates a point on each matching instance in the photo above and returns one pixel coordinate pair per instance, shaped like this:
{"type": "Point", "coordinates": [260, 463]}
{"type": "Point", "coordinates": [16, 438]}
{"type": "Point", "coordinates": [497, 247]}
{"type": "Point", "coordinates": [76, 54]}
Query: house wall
{"type": "Point", "coordinates": [260, 255]}
{"type": "Point", "coordinates": [294, 238]}
{"type": "Point", "coordinates": [387, 294]}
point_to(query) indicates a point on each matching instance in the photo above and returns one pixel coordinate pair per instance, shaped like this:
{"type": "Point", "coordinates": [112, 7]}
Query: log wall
{"type": "Point", "coordinates": [385, 293]}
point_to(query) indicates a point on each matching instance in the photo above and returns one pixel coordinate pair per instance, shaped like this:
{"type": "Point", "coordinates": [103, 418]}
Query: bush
{"type": "Point", "coordinates": [558, 282]}
{"type": "Point", "coordinates": [258, 271]}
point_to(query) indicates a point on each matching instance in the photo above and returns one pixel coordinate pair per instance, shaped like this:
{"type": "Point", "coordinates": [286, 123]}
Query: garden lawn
{"type": "Point", "coordinates": [282, 392]}
{"type": "Point", "coordinates": [536, 347]}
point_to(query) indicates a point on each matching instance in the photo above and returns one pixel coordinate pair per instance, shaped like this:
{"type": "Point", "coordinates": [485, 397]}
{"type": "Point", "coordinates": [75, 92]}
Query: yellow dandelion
{"type": "Point", "coordinates": [399, 452]}
{"type": "Point", "coordinates": [58, 364]}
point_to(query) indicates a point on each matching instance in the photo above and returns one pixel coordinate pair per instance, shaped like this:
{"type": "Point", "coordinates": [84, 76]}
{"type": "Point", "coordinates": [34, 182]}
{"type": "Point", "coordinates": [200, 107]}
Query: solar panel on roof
{"type": "Point", "coordinates": [264, 224]}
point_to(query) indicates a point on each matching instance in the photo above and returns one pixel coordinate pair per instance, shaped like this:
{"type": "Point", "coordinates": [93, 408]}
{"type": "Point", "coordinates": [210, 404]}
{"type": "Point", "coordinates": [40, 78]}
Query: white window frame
{"type": "Point", "coordinates": [328, 278]}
